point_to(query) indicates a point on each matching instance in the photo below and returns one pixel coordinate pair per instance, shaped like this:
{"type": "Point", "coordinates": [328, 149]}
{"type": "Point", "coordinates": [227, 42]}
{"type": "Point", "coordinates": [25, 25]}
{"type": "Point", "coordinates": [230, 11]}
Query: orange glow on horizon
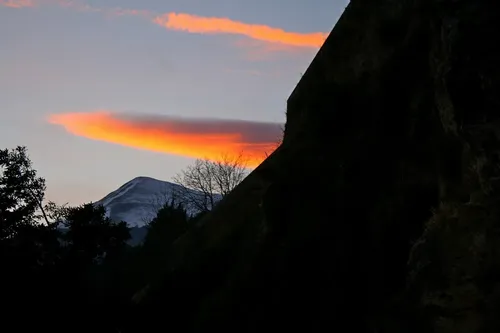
{"type": "Point", "coordinates": [217, 25]}
{"type": "Point", "coordinates": [104, 126]}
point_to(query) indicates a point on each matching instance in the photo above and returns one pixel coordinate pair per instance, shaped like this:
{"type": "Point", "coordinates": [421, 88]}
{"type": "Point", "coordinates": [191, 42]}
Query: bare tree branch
{"type": "Point", "coordinates": [205, 182]}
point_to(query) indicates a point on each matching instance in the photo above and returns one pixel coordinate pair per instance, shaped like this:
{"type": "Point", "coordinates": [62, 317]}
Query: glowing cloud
{"type": "Point", "coordinates": [17, 3]}
{"type": "Point", "coordinates": [192, 23]}
{"type": "Point", "coordinates": [216, 25]}
{"type": "Point", "coordinates": [197, 138]}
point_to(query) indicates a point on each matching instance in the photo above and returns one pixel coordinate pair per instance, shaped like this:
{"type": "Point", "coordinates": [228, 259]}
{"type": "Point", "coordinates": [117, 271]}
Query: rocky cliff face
{"type": "Point", "coordinates": [396, 127]}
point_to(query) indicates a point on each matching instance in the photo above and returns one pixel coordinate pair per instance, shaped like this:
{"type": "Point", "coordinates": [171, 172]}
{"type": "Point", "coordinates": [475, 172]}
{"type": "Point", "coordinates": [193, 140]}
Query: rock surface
{"type": "Point", "coordinates": [396, 127]}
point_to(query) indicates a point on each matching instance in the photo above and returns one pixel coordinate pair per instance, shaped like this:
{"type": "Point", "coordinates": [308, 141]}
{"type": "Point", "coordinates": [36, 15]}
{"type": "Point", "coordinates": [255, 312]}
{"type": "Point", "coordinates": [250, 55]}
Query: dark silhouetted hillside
{"type": "Point", "coordinates": [379, 212]}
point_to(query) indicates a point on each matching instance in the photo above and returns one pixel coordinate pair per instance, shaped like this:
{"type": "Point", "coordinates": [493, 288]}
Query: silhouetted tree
{"type": "Point", "coordinates": [149, 262]}
{"type": "Point", "coordinates": [68, 255]}
{"type": "Point", "coordinates": [21, 192]}
{"type": "Point", "coordinates": [29, 245]}
{"type": "Point", "coordinates": [94, 248]}
{"type": "Point", "coordinates": [205, 182]}
{"type": "Point", "coordinates": [25, 244]}
{"type": "Point", "coordinates": [91, 236]}
{"type": "Point", "coordinates": [170, 223]}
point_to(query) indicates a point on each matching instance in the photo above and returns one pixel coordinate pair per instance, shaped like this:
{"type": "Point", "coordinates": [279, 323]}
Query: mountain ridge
{"type": "Point", "coordinates": [137, 201]}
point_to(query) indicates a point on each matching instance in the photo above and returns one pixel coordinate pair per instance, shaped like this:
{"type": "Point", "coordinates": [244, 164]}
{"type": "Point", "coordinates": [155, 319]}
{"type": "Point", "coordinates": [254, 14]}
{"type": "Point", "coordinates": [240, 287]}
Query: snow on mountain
{"type": "Point", "coordinates": [137, 201]}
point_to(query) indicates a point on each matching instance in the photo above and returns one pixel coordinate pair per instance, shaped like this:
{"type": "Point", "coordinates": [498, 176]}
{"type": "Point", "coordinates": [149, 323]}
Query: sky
{"type": "Point", "coordinates": [103, 91]}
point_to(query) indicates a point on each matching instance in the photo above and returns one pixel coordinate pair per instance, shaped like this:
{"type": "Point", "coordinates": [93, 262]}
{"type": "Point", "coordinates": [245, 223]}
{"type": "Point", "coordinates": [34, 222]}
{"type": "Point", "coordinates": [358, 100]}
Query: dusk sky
{"type": "Point", "coordinates": [102, 91]}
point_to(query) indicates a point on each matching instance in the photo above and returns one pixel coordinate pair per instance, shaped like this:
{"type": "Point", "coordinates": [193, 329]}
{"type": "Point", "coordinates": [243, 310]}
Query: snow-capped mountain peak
{"type": "Point", "coordinates": [137, 201]}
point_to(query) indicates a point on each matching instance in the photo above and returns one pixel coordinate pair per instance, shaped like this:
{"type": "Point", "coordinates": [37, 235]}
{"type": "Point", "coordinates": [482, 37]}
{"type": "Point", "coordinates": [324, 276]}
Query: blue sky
{"type": "Point", "coordinates": [57, 59]}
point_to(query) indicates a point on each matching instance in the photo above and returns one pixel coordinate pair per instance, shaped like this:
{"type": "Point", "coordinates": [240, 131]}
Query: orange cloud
{"type": "Point", "coordinates": [216, 25]}
{"type": "Point", "coordinates": [196, 138]}
{"type": "Point", "coordinates": [17, 3]}
{"type": "Point", "coordinates": [282, 39]}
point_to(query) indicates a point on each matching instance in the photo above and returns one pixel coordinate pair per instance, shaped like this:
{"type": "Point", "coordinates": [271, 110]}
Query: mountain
{"type": "Point", "coordinates": [137, 201]}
